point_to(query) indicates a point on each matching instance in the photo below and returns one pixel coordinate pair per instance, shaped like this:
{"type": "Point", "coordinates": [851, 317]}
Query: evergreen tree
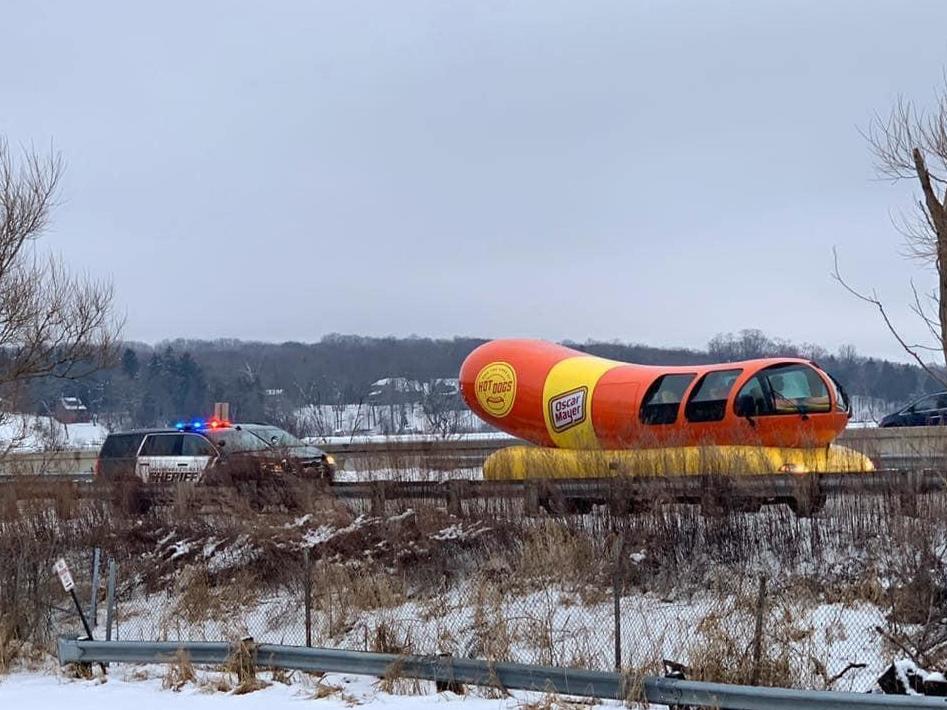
{"type": "Point", "coordinates": [130, 364]}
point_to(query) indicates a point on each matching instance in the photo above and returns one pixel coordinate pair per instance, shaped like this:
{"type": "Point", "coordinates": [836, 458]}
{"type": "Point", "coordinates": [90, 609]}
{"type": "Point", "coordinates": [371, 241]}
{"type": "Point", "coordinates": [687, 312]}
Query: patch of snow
{"type": "Point", "coordinates": [239, 553]}
{"type": "Point", "coordinates": [210, 547]}
{"type": "Point", "coordinates": [141, 688]}
{"type": "Point", "coordinates": [458, 531]}
{"type": "Point", "coordinates": [180, 548]}
{"type": "Point", "coordinates": [318, 536]}
{"type": "Point", "coordinates": [299, 522]}
{"type": "Point", "coordinates": [31, 433]}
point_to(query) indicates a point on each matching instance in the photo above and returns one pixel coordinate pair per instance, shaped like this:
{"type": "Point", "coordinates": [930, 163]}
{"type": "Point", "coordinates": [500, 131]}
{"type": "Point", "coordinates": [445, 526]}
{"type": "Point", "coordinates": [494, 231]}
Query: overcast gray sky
{"type": "Point", "coordinates": [645, 171]}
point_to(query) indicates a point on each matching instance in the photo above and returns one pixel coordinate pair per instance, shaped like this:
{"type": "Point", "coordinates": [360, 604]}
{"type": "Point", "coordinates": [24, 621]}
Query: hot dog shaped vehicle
{"type": "Point", "coordinates": [783, 412]}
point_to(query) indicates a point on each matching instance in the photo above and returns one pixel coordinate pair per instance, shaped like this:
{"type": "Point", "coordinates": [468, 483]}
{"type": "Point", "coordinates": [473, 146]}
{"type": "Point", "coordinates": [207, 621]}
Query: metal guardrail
{"type": "Point", "coordinates": [805, 493]}
{"type": "Point", "coordinates": [511, 676]}
{"type": "Point", "coordinates": [745, 697]}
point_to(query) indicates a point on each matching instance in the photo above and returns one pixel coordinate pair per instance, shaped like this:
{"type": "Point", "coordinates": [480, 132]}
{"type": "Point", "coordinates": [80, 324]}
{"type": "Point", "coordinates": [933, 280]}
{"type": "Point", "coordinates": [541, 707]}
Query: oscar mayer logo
{"type": "Point", "coordinates": [567, 410]}
{"type": "Point", "coordinates": [496, 388]}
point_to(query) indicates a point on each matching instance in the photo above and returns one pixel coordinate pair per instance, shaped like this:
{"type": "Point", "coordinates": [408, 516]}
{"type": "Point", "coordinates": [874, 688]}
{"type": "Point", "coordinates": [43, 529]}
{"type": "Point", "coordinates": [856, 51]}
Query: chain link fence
{"type": "Point", "coordinates": [750, 630]}
{"type": "Point", "coordinates": [827, 601]}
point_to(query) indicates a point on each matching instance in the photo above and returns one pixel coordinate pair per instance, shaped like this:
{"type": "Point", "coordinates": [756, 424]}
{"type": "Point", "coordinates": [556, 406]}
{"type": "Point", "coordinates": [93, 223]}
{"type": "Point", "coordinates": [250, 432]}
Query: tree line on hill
{"type": "Point", "coordinates": [156, 385]}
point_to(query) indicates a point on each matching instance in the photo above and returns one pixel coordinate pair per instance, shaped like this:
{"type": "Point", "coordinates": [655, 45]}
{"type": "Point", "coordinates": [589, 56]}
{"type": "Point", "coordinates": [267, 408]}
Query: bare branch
{"type": "Point", "coordinates": [873, 300]}
{"type": "Point", "coordinates": [911, 143]}
{"type": "Point", "coordinates": [52, 323]}
{"type": "Point", "coordinates": [932, 325]}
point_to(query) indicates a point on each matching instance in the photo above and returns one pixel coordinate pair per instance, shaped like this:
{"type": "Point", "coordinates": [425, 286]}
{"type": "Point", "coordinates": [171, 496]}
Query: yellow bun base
{"type": "Point", "coordinates": [518, 463]}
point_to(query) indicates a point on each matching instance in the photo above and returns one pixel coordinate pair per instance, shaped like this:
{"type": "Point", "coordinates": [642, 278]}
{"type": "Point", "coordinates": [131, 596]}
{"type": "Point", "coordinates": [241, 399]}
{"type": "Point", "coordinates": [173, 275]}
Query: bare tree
{"type": "Point", "coordinates": [440, 408]}
{"type": "Point", "coordinates": [911, 143]}
{"type": "Point", "coordinates": [52, 323]}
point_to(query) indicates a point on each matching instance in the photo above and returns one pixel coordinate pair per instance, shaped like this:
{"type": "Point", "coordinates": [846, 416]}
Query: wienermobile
{"type": "Point", "coordinates": [591, 417]}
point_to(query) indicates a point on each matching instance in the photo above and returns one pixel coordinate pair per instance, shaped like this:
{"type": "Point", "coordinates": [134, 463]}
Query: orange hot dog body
{"type": "Point", "coordinates": [554, 396]}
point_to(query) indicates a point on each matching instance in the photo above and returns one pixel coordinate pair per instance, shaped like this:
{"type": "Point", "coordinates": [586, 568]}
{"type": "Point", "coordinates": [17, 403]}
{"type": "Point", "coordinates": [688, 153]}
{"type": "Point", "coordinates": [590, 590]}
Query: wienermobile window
{"type": "Point", "coordinates": [783, 389]}
{"type": "Point", "coordinates": [663, 399]}
{"type": "Point", "coordinates": [841, 398]}
{"type": "Point", "coordinates": [708, 402]}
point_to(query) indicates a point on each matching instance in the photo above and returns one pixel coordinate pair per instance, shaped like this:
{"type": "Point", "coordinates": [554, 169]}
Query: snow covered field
{"type": "Point", "coordinates": [143, 688]}
{"type": "Point", "coordinates": [549, 627]}
{"type": "Point", "coordinates": [28, 432]}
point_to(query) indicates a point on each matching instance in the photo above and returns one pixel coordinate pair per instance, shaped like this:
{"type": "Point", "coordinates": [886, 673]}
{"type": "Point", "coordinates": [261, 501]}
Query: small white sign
{"type": "Point", "coordinates": [568, 409]}
{"type": "Point", "coordinates": [65, 576]}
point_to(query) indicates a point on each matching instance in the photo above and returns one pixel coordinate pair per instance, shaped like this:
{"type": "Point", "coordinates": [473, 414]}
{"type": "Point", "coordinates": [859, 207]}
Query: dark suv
{"type": "Point", "coordinates": [926, 411]}
{"type": "Point", "coordinates": [187, 451]}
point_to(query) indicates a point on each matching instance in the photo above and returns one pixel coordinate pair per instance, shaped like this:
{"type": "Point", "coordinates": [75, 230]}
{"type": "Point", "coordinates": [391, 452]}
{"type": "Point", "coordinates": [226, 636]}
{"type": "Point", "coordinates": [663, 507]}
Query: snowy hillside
{"type": "Point", "coordinates": [28, 432]}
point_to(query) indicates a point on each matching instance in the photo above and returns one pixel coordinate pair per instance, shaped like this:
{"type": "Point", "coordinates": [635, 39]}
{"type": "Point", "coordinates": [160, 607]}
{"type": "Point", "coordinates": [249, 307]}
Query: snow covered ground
{"type": "Point", "coordinates": [346, 420]}
{"type": "Point", "coordinates": [350, 474]}
{"type": "Point", "coordinates": [474, 437]}
{"type": "Point", "coordinates": [28, 432]}
{"type": "Point", "coordinates": [143, 688]}
{"type": "Point", "coordinates": [552, 626]}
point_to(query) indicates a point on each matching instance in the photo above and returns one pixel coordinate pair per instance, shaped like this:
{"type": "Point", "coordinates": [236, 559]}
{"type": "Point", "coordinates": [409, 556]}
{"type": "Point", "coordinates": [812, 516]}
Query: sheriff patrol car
{"type": "Point", "coordinates": [185, 452]}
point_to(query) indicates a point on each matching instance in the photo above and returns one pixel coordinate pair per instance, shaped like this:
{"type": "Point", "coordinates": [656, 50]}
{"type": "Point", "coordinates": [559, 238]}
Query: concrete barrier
{"type": "Point", "coordinates": [899, 447]}
{"type": "Point", "coordinates": [896, 447]}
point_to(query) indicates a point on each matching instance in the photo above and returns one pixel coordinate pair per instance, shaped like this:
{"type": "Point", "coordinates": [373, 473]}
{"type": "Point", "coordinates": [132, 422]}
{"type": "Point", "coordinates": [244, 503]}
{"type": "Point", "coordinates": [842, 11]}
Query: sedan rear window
{"type": "Point", "coordinates": [121, 446]}
{"type": "Point", "coordinates": [195, 445]}
{"type": "Point", "coordinates": [162, 445]}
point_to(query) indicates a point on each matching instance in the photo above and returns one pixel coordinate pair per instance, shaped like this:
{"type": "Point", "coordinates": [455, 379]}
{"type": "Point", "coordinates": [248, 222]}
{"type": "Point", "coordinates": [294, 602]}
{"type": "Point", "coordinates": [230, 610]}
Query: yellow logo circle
{"type": "Point", "coordinates": [496, 388]}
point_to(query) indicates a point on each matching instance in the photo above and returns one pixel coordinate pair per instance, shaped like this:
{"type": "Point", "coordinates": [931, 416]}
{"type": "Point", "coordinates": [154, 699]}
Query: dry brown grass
{"type": "Point", "coordinates": [859, 550]}
{"type": "Point", "coordinates": [394, 682]}
{"type": "Point", "coordinates": [242, 665]}
{"type": "Point", "coordinates": [553, 551]}
{"type": "Point", "coordinates": [180, 672]}
{"type": "Point", "coordinates": [554, 701]}
{"type": "Point", "coordinates": [326, 690]}
{"type": "Point", "coordinates": [493, 639]}
{"type": "Point", "coordinates": [724, 655]}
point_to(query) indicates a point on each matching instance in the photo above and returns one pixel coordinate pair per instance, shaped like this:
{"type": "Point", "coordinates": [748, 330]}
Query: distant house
{"type": "Point", "coordinates": [71, 410]}
{"type": "Point", "coordinates": [395, 390]}
{"type": "Point", "coordinates": [447, 388]}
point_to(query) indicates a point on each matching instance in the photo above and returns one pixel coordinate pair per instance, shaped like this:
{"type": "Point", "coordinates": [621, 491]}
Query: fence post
{"type": "Point", "coordinates": [616, 596]}
{"type": "Point", "coordinates": [758, 634]}
{"type": "Point", "coordinates": [94, 601]}
{"type": "Point", "coordinates": [531, 502]}
{"type": "Point", "coordinates": [110, 600]}
{"type": "Point", "coordinates": [456, 492]}
{"type": "Point", "coordinates": [307, 590]}
{"type": "Point", "coordinates": [378, 499]}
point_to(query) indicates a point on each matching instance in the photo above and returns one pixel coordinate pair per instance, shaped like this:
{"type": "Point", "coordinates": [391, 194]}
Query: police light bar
{"type": "Point", "coordinates": [200, 424]}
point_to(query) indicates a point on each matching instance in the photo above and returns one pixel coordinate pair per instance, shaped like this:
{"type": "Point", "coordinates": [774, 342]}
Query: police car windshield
{"type": "Point", "coordinates": [274, 436]}
{"type": "Point", "coordinates": [236, 440]}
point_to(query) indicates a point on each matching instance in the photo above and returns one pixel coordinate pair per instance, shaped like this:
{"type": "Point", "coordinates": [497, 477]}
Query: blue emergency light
{"type": "Point", "coordinates": [199, 424]}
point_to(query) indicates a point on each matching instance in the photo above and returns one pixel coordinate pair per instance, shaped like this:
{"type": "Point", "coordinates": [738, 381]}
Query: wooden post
{"type": "Point", "coordinates": [378, 499]}
{"type": "Point", "coordinates": [456, 492]}
{"type": "Point", "coordinates": [222, 411]}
